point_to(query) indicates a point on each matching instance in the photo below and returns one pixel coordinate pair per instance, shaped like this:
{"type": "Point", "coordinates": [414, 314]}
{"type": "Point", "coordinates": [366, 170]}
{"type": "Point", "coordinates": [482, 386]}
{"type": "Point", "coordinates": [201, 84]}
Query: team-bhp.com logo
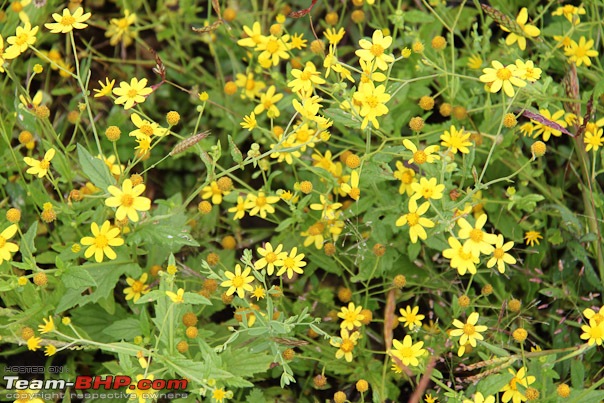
{"type": "Point", "coordinates": [97, 383]}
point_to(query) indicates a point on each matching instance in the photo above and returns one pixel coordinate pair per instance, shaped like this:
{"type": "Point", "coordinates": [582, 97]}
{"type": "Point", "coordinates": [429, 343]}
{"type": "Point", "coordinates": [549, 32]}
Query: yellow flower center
{"type": "Point", "coordinates": [123, 24]}
{"type": "Point", "coordinates": [237, 281]}
{"type": "Point", "coordinates": [407, 178]}
{"type": "Point", "coordinates": [597, 333]}
{"type": "Point", "coordinates": [132, 92]}
{"type": "Point", "coordinates": [498, 253]}
{"type": "Point", "coordinates": [289, 263]}
{"type": "Point", "coordinates": [21, 39]}
{"type": "Point", "coordinates": [137, 287]}
{"type": "Point", "coordinates": [127, 200]}
{"type": "Point", "coordinates": [68, 20]}
{"type": "Point", "coordinates": [420, 157]}
{"type": "Point", "coordinates": [377, 50]}
{"type": "Point", "coordinates": [427, 193]}
{"type": "Point", "coordinates": [305, 76]}
{"type": "Point", "coordinates": [250, 84]}
{"type": "Point", "coordinates": [44, 164]}
{"type": "Point", "coordinates": [316, 229]}
{"type": "Point", "coordinates": [372, 101]}
{"type": "Point", "coordinates": [597, 317]}
{"type": "Point", "coordinates": [355, 193]}
{"type": "Point", "coordinates": [406, 352]}
{"type": "Point", "coordinates": [270, 257]}
{"type": "Point", "coordinates": [464, 255]}
{"type": "Point", "coordinates": [146, 129]}
{"type": "Point", "coordinates": [261, 201]}
{"type": "Point", "coordinates": [267, 104]}
{"type": "Point", "coordinates": [347, 346]}
{"type": "Point", "coordinates": [272, 46]}
{"type": "Point", "coordinates": [580, 52]}
{"type": "Point", "coordinates": [412, 219]}
{"type": "Point", "coordinates": [476, 235]}
{"type": "Point", "coordinates": [513, 384]}
{"type": "Point", "coordinates": [469, 329]}
{"type": "Point", "coordinates": [16, 6]}
{"type": "Point", "coordinates": [101, 241]}
{"type": "Point", "coordinates": [504, 74]}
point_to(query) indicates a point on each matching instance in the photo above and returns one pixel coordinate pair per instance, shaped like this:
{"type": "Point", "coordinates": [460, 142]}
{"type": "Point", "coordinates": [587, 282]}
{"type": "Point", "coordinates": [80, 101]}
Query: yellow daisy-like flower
{"type": "Point", "coordinates": [500, 76]}
{"type": "Point", "coordinates": [511, 391]}
{"type": "Point", "coordinates": [101, 241]}
{"type": "Point", "coordinates": [411, 317]}
{"type": "Point", "coordinates": [570, 12]}
{"type": "Point", "coordinates": [415, 221]}
{"type": "Point", "coordinates": [474, 62]}
{"type": "Point", "coordinates": [580, 53]}
{"type": "Point", "coordinates": [427, 155]}
{"type": "Point", "coordinates": [591, 314]}
{"type": "Point", "coordinates": [41, 167]}
{"type": "Point", "coordinates": [68, 22]}
{"type": "Point", "coordinates": [372, 100]}
{"type": "Point", "coordinates": [352, 189]}
{"type": "Point", "coordinates": [468, 332]}
{"type": "Point", "coordinates": [259, 292]}
{"type": "Point", "coordinates": [528, 71]}
{"type": "Point", "coordinates": [307, 79]}
{"type": "Point", "coordinates": [456, 140]}
{"type": "Point", "coordinates": [119, 29]}
{"type": "Point", "coordinates": [500, 257]}
{"type": "Point", "coordinates": [128, 200]}
{"type": "Point", "coordinates": [48, 326]}
{"type": "Point", "coordinates": [273, 49]}
{"type": "Point", "coordinates": [271, 258]}
{"type": "Point", "coordinates": [351, 316]}
{"type": "Point", "coordinates": [238, 281]}
{"type": "Point", "coordinates": [291, 263]}
{"type": "Point", "coordinates": [239, 209]}
{"type": "Point", "coordinates": [593, 333]}
{"type": "Point", "coordinates": [50, 350]}
{"type": "Point", "coordinates": [145, 128]}
{"type": "Point", "coordinates": [334, 37]}
{"type": "Point", "coordinates": [25, 36]}
{"type": "Point", "coordinates": [7, 248]}
{"type": "Point", "coordinates": [314, 235]}
{"type": "Point", "coordinates": [137, 288]}
{"type": "Point", "coordinates": [214, 192]}
{"type": "Point", "coordinates": [428, 189]}
{"type": "Point", "coordinates": [408, 352]}
{"type": "Point", "coordinates": [593, 141]}
{"type": "Point", "coordinates": [346, 346]}
{"type": "Point", "coordinates": [267, 102]}
{"type": "Point", "coordinates": [251, 86]}
{"type": "Point", "coordinates": [407, 178]}
{"type": "Point", "coordinates": [528, 30]}
{"type": "Point", "coordinates": [133, 93]}
{"type": "Point", "coordinates": [532, 237]}
{"type": "Point", "coordinates": [260, 204]}
{"type": "Point", "coordinates": [249, 122]}
{"type": "Point", "coordinates": [479, 398]}
{"type": "Point", "coordinates": [546, 131]}
{"type": "Point", "coordinates": [374, 50]}
{"type": "Point", "coordinates": [297, 42]}
{"type": "Point", "coordinates": [105, 89]}
{"type": "Point", "coordinates": [254, 36]}
{"type": "Point", "coordinates": [477, 241]}
{"type": "Point", "coordinates": [460, 259]}
{"type": "Point", "coordinates": [178, 297]}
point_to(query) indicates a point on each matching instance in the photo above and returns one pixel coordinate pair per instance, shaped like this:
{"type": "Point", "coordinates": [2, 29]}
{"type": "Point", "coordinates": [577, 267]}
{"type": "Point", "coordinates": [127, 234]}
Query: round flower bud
{"type": "Point", "coordinates": [514, 305]}
{"type": "Point", "coordinates": [538, 148]}
{"type": "Point", "coordinates": [289, 354]}
{"type": "Point", "coordinates": [113, 133]}
{"type": "Point", "coordinates": [399, 281]}
{"type": "Point", "coordinates": [73, 117]}
{"type": "Point", "coordinates": [189, 319]}
{"type": "Point", "coordinates": [212, 259]}
{"type": "Point", "coordinates": [357, 3]}
{"type": "Point", "coordinates": [48, 214]}
{"type": "Point", "coordinates": [27, 333]}
{"type": "Point", "coordinates": [22, 280]}
{"type": "Point", "coordinates": [38, 68]}
{"type": "Point", "coordinates": [344, 294]}
{"type": "Point", "coordinates": [416, 123]}
{"type": "Point", "coordinates": [306, 187]}
{"type": "Point", "coordinates": [42, 111]}
{"type": "Point", "coordinates": [319, 381]}
{"type": "Point", "coordinates": [40, 279]}
{"type": "Point", "coordinates": [339, 397]}
{"type": "Point", "coordinates": [25, 137]}
{"type": "Point", "coordinates": [154, 270]}
{"type": "Point", "coordinates": [520, 335]}
{"type": "Point", "coordinates": [204, 207]}
{"type": "Point", "coordinates": [367, 316]}
{"type": "Point", "coordinates": [191, 332]}
{"type": "Point", "coordinates": [210, 284]}
{"type": "Point", "coordinates": [438, 43]}
{"type": "Point", "coordinates": [509, 120]}
{"type": "Point", "coordinates": [13, 215]}
{"type": "Point", "coordinates": [182, 347]}
{"type": "Point", "coordinates": [229, 14]}
{"type": "Point", "coordinates": [464, 301]}
{"type": "Point", "coordinates": [460, 112]}
{"type": "Point", "coordinates": [227, 299]}
{"type": "Point", "coordinates": [445, 109]}
{"type": "Point", "coordinates": [332, 18]}
{"type": "Point", "coordinates": [417, 47]}
{"type": "Point", "coordinates": [136, 179]}
{"type": "Point", "coordinates": [317, 47]}
{"type": "Point", "coordinates": [563, 390]}
{"type": "Point", "coordinates": [173, 118]}
{"type": "Point", "coordinates": [230, 88]}
{"type": "Point", "coordinates": [357, 16]}
{"type": "Point", "coordinates": [276, 30]}
{"type": "Point", "coordinates": [426, 102]}
{"type": "Point", "coordinates": [329, 249]}
{"type": "Point", "coordinates": [353, 161]}
{"type": "Point", "coordinates": [487, 290]}
{"type": "Point", "coordinates": [296, 63]}
{"type": "Point", "coordinates": [379, 249]}
{"type": "Point", "coordinates": [225, 184]}
{"type": "Point", "coordinates": [229, 242]}
{"type": "Point", "coordinates": [362, 386]}
{"type": "Point", "coordinates": [531, 394]}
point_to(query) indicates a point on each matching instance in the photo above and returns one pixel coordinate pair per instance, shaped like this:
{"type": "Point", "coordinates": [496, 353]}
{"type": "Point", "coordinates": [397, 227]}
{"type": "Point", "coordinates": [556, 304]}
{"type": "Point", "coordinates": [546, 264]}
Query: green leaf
{"type": "Point", "coordinates": [245, 364]}
{"type": "Point", "coordinates": [344, 118]}
{"type": "Point", "coordinates": [195, 299]}
{"type": "Point", "coordinates": [77, 277]}
{"type": "Point", "coordinates": [95, 169]}
{"type": "Point", "coordinates": [235, 152]}
{"type": "Point", "coordinates": [125, 329]}
{"type": "Point", "coordinates": [418, 17]}
{"type": "Point", "coordinates": [169, 237]}
{"type": "Point", "coordinates": [150, 297]}
{"type": "Point", "coordinates": [577, 373]}
{"type": "Point", "coordinates": [498, 351]}
{"type": "Point", "coordinates": [28, 248]}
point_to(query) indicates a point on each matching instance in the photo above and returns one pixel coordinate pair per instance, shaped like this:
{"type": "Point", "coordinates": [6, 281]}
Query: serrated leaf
{"type": "Point", "coordinates": [151, 297]}
{"type": "Point", "coordinates": [125, 329]}
{"type": "Point", "coordinates": [195, 299]}
{"type": "Point", "coordinates": [77, 277]}
{"type": "Point", "coordinates": [94, 169]}
{"type": "Point", "coordinates": [28, 248]}
{"type": "Point", "coordinates": [341, 117]}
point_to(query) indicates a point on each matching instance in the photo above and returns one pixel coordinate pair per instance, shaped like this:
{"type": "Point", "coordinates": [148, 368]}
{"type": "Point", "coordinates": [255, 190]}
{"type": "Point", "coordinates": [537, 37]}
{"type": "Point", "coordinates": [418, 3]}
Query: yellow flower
{"type": "Point", "coordinates": [40, 168]}
{"type": "Point", "coordinates": [593, 141]}
{"type": "Point", "coordinates": [474, 62]}
{"type": "Point", "coordinates": [411, 317]}
{"type": "Point", "coordinates": [421, 156]}
{"type": "Point", "coordinates": [469, 331]}
{"type": "Point", "coordinates": [271, 258]}
{"type": "Point", "coordinates": [178, 297]}
{"type": "Point", "coordinates": [101, 241]}
{"type": "Point", "coordinates": [500, 257]}
{"type": "Point", "coordinates": [408, 352]}
{"type": "Point", "coordinates": [137, 288]}
{"type": "Point", "coordinates": [345, 347]}
{"type": "Point", "coordinates": [570, 12]}
{"type": "Point", "coordinates": [334, 37]}
{"type": "Point", "coordinates": [511, 391]}
{"type": "Point", "coordinates": [580, 53]}
{"type": "Point", "coordinates": [143, 394]}
{"type": "Point", "coordinates": [428, 189]}
{"type": "Point", "coordinates": [273, 49]}
{"type": "Point", "coordinates": [528, 71]}
{"type": "Point", "coordinates": [6, 248]}
{"type": "Point", "coordinates": [479, 398]}
{"type": "Point", "coordinates": [373, 51]}
{"type": "Point", "coordinates": [477, 241]}
{"type": "Point", "coordinates": [591, 314]}
{"type": "Point", "coordinates": [68, 22]}
{"type": "Point", "coordinates": [372, 100]}
{"type": "Point", "coordinates": [214, 192]}
{"type": "Point", "coordinates": [594, 332]}
{"type": "Point", "coordinates": [135, 92]}
{"type": "Point", "coordinates": [33, 343]}
{"type": "Point", "coordinates": [528, 30]}
{"type": "Point", "coordinates": [259, 292]}
{"type": "Point", "coordinates": [48, 326]}
{"type": "Point", "coordinates": [3, 55]}
{"type": "Point", "coordinates": [27, 396]}
{"type": "Point", "coordinates": [260, 204]}
{"type": "Point", "coordinates": [25, 37]}
{"type": "Point", "coordinates": [456, 140]}
{"type": "Point", "coordinates": [219, 395]}
{"type": "Point", "coordinates": [128, 200]}
{"type": "Point", "coordinates": [532, 237]}
{"type": "Point", "coordinates": [407, 178]}
{"type": "Point", "coordinates": [251, 86]}
{"type": "Point", "coordinates": [305, 80]}
{"type": "Point", "coordinates": [297, 42]}
{"type": "Point", "coordinates": [119, 29]}
{"type": "Point", "coordinates": [352, 189]}
{"type": "Point", "coordinates": [429, 398]}
{"type": "Point", "coordinates": [239, 209]}
{"type": "Point", "coordinates": [249, 122]}
{"type": "Point", "coordinates": [254, 36]}
{"type": "Point", "coordinates": [291, 263]}
{"type": "Point", "coordinates": [106, 88]}
{"type": "Point", "coordinates": [546, 131]}
{"type": "Point", "coordinates": [238, 281]}
{"type": "Point", "coordinates": [369, 72]}
{"type": "Point", "coordinates": [463, 261]}
{"type": "Point", "coordinates": [499, 77]}
{"type": "Point", "coordinates": [146, 129]}
{"type": "Point", "coordinates": [308, 108]}
{"type": "Point", "coordinates": [351, 316]}
{"type": "Point", "coordinates": [267, 102]}
{"type": "Point", "coordinates": [50, 350]}
{"type": "Point", "coordinates": [416, 222]}
{"type": "Point", "coordinates": [314, 235]}
{"type": "Point", "coordinates": [329, 211]}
